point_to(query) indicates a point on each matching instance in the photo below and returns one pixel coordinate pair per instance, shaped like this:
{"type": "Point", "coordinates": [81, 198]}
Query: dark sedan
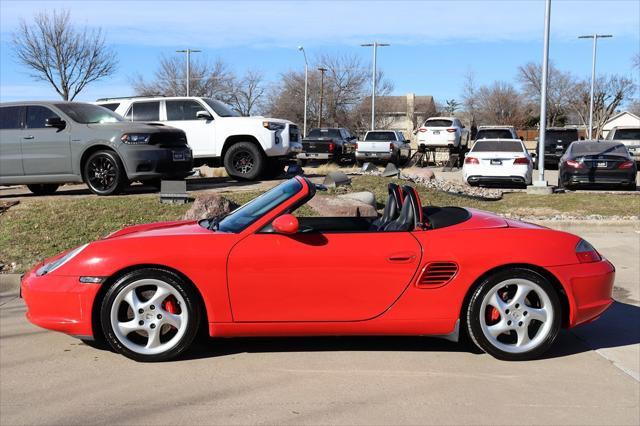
{"type": "Point", "coordinates": [597, 163]}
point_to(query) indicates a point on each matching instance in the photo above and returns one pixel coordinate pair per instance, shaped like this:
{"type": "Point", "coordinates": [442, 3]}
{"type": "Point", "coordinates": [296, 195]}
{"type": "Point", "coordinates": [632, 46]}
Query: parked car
{"type": "Point", "coordinates": [247, 147]}
{"type": "Point", "coordinates": [556, 142]}
{"type": "Point", "coordinates": [495, 161]}
{"type": "Point", "coordinates": [328, 143]}
{"type": "Point", "coordinates": [46, 144]}
{"type": "Point", "coordinates": [630, 137]}
{"type": "Point", "coordinates": [597, 163]}
{"type": "Point", "coordinates": [496, 132]}
{"type": "Point", "coordinates": [383, 146]}
{"type": "Point", "coordinates": [261, 271]}
{"type": "Point", "coordinates": [444, 132]}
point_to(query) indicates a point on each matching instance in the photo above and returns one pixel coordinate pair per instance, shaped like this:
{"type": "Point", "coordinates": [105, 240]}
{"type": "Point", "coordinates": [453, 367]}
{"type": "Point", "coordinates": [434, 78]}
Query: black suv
{"type": "Point", "coordinates": [556, 142]}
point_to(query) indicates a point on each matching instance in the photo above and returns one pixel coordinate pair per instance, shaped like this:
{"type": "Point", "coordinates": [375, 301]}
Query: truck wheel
{"type": "Point", "coordinates": [104, 173]}
{"type": "Point", "coordinates": [244, 161]}
{"type": "Point", "coordinates": [43, 188]}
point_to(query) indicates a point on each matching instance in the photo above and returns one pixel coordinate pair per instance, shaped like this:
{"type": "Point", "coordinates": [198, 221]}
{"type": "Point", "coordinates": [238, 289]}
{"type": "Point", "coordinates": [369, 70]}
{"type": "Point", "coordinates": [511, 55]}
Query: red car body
{"type": "Point", "coordinates": [334, 283]}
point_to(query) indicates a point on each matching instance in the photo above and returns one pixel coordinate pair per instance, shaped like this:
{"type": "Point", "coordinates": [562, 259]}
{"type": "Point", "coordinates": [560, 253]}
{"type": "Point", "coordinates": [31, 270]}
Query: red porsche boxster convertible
{"type": "Point", "coordinates": [262, 271]}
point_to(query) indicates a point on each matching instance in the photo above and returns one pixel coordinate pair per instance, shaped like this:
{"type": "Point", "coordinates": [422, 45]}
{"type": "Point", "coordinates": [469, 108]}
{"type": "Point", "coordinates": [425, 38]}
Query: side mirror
{"type": "Point", "coordinates": [286, 224]}
{"type": "Point", "coordinates": [55, 122]}
{"type": "Point", "coordinates": [203, 115]}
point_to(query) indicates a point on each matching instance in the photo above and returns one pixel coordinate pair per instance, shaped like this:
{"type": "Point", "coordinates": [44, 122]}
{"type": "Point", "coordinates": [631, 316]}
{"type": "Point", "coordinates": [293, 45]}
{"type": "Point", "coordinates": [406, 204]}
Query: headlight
{"type": "Point", "coordinates": [272, 126]}
{"type": "Point", "coordinates": [135, 138]}
{"type": "Point", "coordinates": [51, 266]}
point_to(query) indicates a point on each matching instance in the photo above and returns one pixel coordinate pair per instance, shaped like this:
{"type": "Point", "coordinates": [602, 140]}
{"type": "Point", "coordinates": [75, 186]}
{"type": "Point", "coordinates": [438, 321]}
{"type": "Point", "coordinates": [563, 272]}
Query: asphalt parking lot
{"type": "Point", "coordinates": [591, 376]}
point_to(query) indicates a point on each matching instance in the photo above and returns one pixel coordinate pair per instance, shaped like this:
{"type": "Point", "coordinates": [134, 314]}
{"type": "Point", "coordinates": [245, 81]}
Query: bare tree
{"type": "Point", "coordinates": [560, 90]}
{"type": "Point", "coordinates": [500, 103]}
{"type": "Point", "coordinates": [249, 93]}
{"type": "Point", "coordinates": [346, 101]}
{"type": "Point", "coordinates": [56, 52]}
{"type": "Point", "coordinates": [207, 80]}
{"type": "Point", "coordinates": [609, 93]}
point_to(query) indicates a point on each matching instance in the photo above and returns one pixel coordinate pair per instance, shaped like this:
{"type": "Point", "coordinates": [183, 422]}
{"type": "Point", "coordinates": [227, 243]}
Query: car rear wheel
{"type": "Point", "coordinates": [244, 161]}
{"type": "Point", "coordinates": [104, 173]}
{"type": "Point", "coordinates": [43, 188]}
{"type": "Point", "coordinates": [514, 315]}
{"type": "Point", "coordinates": [150, 315]}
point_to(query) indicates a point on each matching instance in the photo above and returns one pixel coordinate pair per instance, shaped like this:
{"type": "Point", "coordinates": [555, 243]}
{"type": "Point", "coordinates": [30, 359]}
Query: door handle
{"type": "Point", "coordinates": [401, 257]}
{"type": "Point", "coordinates": [29, 137]}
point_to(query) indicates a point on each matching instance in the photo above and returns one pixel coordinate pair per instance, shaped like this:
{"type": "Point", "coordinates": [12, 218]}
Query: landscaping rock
{"type": "Point", "coordinates": [209, 205]}
{"type": "Point", "coordinates": [364, 197]}
{"type": "Point", "coordinates": [341, 206]}
{"type": "Point", "coordinates": [451, 187]}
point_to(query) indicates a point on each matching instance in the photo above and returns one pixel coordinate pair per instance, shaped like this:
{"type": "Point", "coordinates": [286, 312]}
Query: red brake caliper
{"type": "Point", "coordinates": [170, 305]}
{"type": "Point", "coordinates": [494, 315]}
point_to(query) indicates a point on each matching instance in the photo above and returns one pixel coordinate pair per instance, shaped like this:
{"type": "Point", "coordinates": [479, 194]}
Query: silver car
{"type": "Point", "coordinates": [46, 144]}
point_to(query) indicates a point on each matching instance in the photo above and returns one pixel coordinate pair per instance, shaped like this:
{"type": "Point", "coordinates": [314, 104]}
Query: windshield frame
{"type": "Point", "coordinates": [68, 110]}
{"type": "Point", "coordinates": [260, 207]}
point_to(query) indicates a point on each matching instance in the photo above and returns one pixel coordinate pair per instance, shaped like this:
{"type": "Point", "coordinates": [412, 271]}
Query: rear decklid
{"type": "Point", "coordinates": [600, 156]}
{"type": "Point", "coordinates": [436, 130]}
{"type": "Point", "coordinates": [503, 152]}
{"type": "Point", "coordinates": [321, 140]}
{"type": "Point", "coordinates": [378, 141]}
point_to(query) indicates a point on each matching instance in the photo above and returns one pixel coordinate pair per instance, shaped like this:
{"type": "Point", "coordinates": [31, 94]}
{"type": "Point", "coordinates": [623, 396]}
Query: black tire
{"type": "Point", "coordinates": [560, 184]}
{"type": "Point", "coordinates": [43, 188]}
{"type": "Point", "coordinates": [474, 316]}
{"type": "Point", "coordinates": [244, 161]}
{"type": "Point", "coordinates": [191, 307]}
{"type": "Point", "coordinates": [104, 173]}
{"type": "Point", "coordinates": [630, 187]}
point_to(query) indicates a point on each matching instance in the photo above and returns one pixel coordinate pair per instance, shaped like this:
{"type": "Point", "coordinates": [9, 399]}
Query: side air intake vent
{"type": "Point", "coordinates": [438, 274]}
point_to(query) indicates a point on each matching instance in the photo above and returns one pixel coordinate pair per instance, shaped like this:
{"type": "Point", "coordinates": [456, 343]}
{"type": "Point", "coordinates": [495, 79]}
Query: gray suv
{"type": "Point", "coordinates": [46, 144]}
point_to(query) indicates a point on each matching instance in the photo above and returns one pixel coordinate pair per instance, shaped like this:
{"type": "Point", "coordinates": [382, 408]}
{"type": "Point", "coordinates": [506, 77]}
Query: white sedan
{"type": "Point", "coordinates": [495, 161]}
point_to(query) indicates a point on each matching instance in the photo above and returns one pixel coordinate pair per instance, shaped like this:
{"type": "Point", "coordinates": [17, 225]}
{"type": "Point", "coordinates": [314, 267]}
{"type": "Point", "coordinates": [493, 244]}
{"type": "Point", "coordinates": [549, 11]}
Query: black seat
{"type": "Point", "coordinates": [391, 209]}
{"type": "Point", "coordinates": [410, 216]}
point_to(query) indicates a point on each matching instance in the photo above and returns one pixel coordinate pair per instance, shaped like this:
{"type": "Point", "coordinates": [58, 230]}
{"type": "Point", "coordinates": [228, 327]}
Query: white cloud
{"type": "Point", "coordinates": [288, 23]}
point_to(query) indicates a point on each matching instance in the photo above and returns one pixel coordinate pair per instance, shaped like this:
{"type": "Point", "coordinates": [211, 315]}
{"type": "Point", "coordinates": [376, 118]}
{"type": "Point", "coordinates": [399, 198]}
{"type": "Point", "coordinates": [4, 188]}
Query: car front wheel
{"type": "Point", "coordinates": [514, 315]}
{"type": "Point", "coordinates": [150, 315]}
{"type": "Point", "coordinates": [104, 173]}
{"type": "Point", "coordinates": [244, 161]}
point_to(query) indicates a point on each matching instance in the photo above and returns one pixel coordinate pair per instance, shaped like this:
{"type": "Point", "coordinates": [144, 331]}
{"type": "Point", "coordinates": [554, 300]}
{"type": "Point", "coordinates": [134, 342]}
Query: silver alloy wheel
{"type": "Point", "coordinates": [144, 325]}
{"type": "Point", "coordinates": [525, 315]}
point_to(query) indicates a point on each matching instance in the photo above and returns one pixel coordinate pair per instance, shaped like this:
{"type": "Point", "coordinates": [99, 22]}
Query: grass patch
{"type": "Point", "coordinates": [39, 228]}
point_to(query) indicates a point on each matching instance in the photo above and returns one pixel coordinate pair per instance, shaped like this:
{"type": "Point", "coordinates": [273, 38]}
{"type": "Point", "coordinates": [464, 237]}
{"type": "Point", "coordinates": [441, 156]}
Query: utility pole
{"type": "Point", "coordinates": [306, 85]}
{"type": "Point", "coordinates": [543, 96]}
{"type": "Point", "coordinates": [375, 46]}
{"type": "Point", "coordinates": [595, 38]}
{"type": "Point", "coordinates": [322, 71]}
{"type": "Point", "coordinates": [188, 52]}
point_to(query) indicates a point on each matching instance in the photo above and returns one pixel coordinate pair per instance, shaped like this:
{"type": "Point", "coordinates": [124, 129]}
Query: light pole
{"type": "Point", "coordinates": [595, 38]}
{"type": "Point", "coordinates": [543, 96]}
{"type": "Point", "coordinates": [322, 71]}
{"type": "Point", "coordinates": [375, 46]}
{"type": "Point", "coordinates": [188, 52]}
{"type": "Point", "coordinates": [306, 85]}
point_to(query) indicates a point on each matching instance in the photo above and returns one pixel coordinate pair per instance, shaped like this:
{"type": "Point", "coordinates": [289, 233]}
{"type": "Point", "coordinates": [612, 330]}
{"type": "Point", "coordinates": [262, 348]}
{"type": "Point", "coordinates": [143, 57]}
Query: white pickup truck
{"type": "Point", "coordinates": [383, 146]}
{"type": "Point", "coordinates": [247, 147]}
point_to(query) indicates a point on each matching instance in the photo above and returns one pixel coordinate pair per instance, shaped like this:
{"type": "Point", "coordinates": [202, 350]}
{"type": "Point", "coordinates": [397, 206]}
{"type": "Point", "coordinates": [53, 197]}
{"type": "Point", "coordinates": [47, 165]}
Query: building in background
{"type": "Point", "coordinates": [623, 118]}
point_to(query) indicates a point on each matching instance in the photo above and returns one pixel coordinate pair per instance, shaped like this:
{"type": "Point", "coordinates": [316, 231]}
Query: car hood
{"type": "Point", "coordinates": [161, 229]}
{"type": "Point", "coordinates": [131, 127]}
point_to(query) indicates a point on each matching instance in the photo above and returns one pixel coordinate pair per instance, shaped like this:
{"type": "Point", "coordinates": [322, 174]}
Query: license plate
{"type": "Point", "coordinates": [496, 162]}
{"type": "Point", "coordinates": [179, 156]}
{"type": "Point", "coordinates": [373, 154]}
{"type": "Point", "coordinates": [436, 132]}
{"type": "Point", "coordinates": [559, 147]}
{"type": "Point", "coordinates": [312, 155]}
{"type": "Point", "coordinates": [601, 164]}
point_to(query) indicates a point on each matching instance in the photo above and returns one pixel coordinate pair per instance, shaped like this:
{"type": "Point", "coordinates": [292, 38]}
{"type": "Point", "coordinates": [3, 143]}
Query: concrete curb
{"type": "Point", "coordinates": [9, 284]}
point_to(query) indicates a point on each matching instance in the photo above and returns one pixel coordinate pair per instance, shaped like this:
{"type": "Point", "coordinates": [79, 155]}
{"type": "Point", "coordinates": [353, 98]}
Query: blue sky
{"type": "Point", "coordinates": [433, 43]}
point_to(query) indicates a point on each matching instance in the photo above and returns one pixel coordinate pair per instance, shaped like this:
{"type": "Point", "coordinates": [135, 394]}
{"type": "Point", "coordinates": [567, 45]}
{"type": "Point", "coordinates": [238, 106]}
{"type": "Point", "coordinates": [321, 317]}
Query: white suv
{"type": "Point", "coordinates": [247, 147]}
{"type": "Point", "coordinates": [443, 132]}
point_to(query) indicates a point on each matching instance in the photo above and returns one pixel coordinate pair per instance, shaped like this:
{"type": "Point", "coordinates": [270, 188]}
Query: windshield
{"type": "Point", "coordinates": [438, 123]}
{"type": "Point", "coordinates": [380, 136]}
{"type": "Point", "coordinates": [221, 109]}
{"type": "Point", "coordinates": [256, 208]}
{"type": "Point", "coordinates": [497, 146]}
{"type": "Point", "coordinates": [494, 134]}
{"type": "Point", "coordinates": [598, 148]}
{"type": "Point", "coordinates": [89, 113]}
{"type": "Point", "coordinates": [324, 133]}
{"type": "Point", "coordinates": [627, 134]}
{"type": "Point", "coordinates": [555, 136]}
